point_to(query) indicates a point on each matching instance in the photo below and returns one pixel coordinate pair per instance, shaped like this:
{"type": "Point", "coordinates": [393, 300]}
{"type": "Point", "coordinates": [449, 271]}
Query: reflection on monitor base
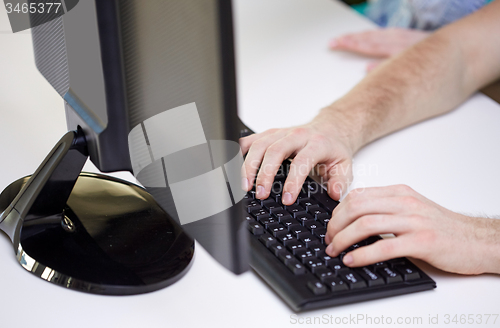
{"type": "Point", "coordinates": [100, 235]}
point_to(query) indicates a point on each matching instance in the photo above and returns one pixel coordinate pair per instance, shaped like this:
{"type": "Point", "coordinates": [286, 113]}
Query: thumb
{"type": "Point", "coordinates": [339, 179]}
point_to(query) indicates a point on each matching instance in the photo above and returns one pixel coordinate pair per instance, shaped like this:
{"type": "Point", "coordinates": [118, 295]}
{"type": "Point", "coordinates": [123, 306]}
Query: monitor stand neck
{"type": "Point", "coordinates": [49, 188]}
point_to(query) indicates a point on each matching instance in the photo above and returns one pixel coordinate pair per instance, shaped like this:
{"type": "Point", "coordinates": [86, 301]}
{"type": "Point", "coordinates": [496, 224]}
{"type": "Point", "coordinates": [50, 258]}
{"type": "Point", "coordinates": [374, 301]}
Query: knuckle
{"type": "Point", "coordinates": [352, 206]}
{"type": "Point", "coordinates": [368, 222]}
{"type": "Point", "coordinates": [252, 165]}
{"type": "Point", "coordinates": [426, 237]}
{"type": "Point", "coordinates": [275, 150]}
{"type": "Point", "coordinates": [387, 247]}
{"type": "Point", "coordinates": [411, 202]}
{"type": "Point", "coordinates": [318, 138]}
{"type": "Point", "coordinates": [357, 193]}
{"type": "Point", "coordinates": [298, 132]}
{"type": "Point", "coordinates": [402, 188]}
{"type": "Point", "coordinates": [332, 227]}
{"type": "Point", "coordinates": [259, 144]}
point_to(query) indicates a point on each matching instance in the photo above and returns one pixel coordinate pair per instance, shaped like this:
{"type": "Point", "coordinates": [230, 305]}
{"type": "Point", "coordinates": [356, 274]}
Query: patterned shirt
{"type": "Point", "coordinates": [420, 14]}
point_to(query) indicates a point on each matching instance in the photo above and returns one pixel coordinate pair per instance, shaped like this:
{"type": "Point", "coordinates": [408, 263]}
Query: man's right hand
{"type": "Point", "coordinates": [321, 144]}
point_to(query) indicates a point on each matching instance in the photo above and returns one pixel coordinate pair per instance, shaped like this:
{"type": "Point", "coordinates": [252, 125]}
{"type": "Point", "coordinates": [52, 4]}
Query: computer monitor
{"type": "Point", "coordinates": [120, 65]}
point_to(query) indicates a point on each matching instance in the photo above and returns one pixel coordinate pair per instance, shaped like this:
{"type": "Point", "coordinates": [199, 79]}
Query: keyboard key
{"type": "Point", "coordinates": [408, 272]}
{"type": "Point", "coordinates": [353, 247]}
{"type": "Point", "coordinates": [286, 257]}
{"type": "Point", "coordinates": [249, 218]}
{"type": "Point", "coordinates": [323, 273]}
{"type": "Point", "coordinates": [281, 214]}
{"type": "Point", "coordinates": [280, 175]}
{"type": "Point", "coordinates": [295, 246]}
{"type": "Point", "coordinates": [314, 264]}
{"type": "Point", "coordinates": [296, 229]}
{"type": "Point", "coordinates": [320, 233]}
{"type": "Point", "coordinates": [268, 240]}
{"type": "Point", "coordinates": [328, 203]}
{"type": "Point", "coordinates": [326, 258]}
{"type": "Point", "coordinates": [250, 195]}
{"type": "Point", "coordinates": [272, 206]}
{"type": "Point", "coordinates": [267, 220]}
{"type": "Point", "coordinates": [253, 206]}
{"type": "Point", "coordinates": [277, 249]}
{"type": "Point", "coordinates": [260, 213]}
{"type": "Point", "coordinates": [390, 276]}
{"type": "Point", "coordinates": [335, 284]}
{"type": "Point", "coordinates": [285, 237]}
{"type": "Point", "coordinates": [303, 217]}
{"type": "Point", "coordinates": [256, 229]}
{"type": "Point", "coordinates": [296, 267]}
{"type": "Point", "coordinates": [397, 262]}
{"type": "Point", "coordinates": [266, 201]}
{"type": "Point", "coordinates": [312, 225]}
{"type": "Point", "coordinates": [379, 266]}
{"type": "Point", "coordinates": [275, 228]}
{"type": "Point", "coordinates": [304, 255]}
{"type": "Point", "coordinates": [308, 204]}
{"type": "Point", "coordinates": [317, 249]}
{"type": "Point", "coordinates": [371, 277]}
{"type": "Point", "coordinates": [294, 208]}
{"type": "Point", "coordinates": [372, 239]}
{"type": "Point", "coordinates": [316, 287]}
{"type": "Point", "coordinates": [308, 239]}
{"type": "Point", "coordinates": [324, 220]}
{"type": "Point", "coordinates": [289, 221]}
{"type": "Point", "coordinates": [316, 212]}
{"type": "Point", "coordinates": [304, 192]}
{"type": "Point", "coordinates": [352, 279]}
{"type": "Point", "coordinates": [339, 268]}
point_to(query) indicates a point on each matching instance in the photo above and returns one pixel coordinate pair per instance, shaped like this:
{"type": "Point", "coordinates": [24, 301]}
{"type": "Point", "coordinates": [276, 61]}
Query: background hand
{"type": "Point", "coordinates": [450, 241]}
{"type": "Point", "coordinates": [382, 43]}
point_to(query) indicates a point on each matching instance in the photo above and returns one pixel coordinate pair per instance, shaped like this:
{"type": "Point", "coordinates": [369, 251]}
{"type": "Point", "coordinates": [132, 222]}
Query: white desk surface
{"type": "Point", "coordinates": [285, 75]}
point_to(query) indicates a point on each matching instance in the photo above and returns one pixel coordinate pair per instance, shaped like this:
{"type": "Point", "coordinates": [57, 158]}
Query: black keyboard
{"type": "Point", "coordinates": [288, 252]}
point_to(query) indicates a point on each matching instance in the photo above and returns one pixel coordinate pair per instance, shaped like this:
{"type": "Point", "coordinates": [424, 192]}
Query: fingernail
{"type": "Point", "coordinates": [287, 198]}
{"type": "Point", "coordinates": [334, 43]}
{"type": "Point", "coordinates": [260, 191]}
{"type": "Point", "coordinates": [244, 184]}
{"type": "Point", "coordinates": [348, 259]}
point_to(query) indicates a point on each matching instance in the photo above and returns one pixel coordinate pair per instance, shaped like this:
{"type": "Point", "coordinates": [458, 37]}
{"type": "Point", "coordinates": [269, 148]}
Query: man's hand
{"type": "Point", "coordinates": [382, 43]}
{"type": "Point", "coordinates": [423, 230]}
{"type": "Point", "coordinates": [320, 144]}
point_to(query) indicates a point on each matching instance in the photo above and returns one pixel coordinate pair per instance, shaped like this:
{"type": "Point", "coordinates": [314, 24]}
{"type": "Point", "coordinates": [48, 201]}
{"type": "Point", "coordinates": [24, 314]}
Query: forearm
{"type": "Point", "coordinates": [486, 235]}
{"type": "Point", "coordinates": [429, 79]}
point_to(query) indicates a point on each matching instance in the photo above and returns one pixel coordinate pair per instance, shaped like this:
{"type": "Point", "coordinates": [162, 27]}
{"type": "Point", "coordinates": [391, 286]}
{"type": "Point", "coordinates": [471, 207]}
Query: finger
{"type": "Point", "coordinates": [366, 226]}
{"type": "Point", "coordinates": [361, 205]}
{"type": "Point", "coordinates": [339, 178]}
{"type": "Point", "coordinates": [246, 142]}
{"type": "Point", "coordinates": [366, 43]}
{"type": "Point", "coordinates": [379, 251]}
{"type": "Point", "coordinates": [373, 64]}
{"type": "Point", "coordinates": [256, 154]}
{"type": "Point", "coordinates": [300, 168]}
{"type": "Point", "coordinates": [274, 156]}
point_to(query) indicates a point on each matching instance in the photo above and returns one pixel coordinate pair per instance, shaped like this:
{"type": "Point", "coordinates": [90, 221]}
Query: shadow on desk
{"type": "Point", "coordinates": [493, 91]}
{"type": "Point", "coordinates": [437, 274]}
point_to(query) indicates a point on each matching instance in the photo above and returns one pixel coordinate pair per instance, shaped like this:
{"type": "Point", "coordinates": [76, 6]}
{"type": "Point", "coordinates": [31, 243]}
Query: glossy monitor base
{"type": "Point", "coordinates": [109, 237]}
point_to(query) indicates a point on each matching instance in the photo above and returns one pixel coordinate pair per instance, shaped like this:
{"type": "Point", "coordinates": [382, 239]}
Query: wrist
{"type": "Point", "coordinates": [486, 233]}
{"type": "Point", "coordinates": [346, 126]}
